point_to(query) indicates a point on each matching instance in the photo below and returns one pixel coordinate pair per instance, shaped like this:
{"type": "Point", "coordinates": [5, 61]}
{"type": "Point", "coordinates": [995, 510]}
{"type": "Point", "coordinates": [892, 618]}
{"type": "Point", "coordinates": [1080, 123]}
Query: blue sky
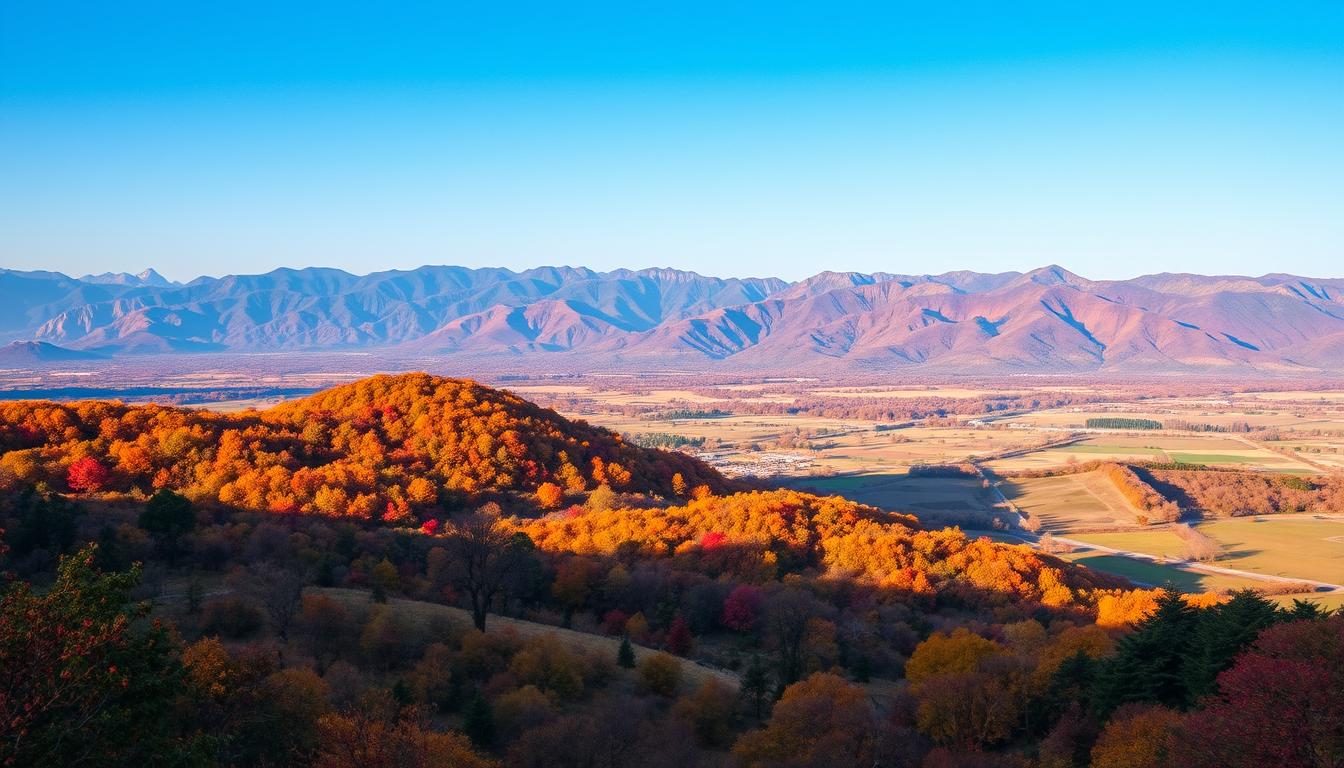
{"type": "Point", "coordinates": [1115, 139]}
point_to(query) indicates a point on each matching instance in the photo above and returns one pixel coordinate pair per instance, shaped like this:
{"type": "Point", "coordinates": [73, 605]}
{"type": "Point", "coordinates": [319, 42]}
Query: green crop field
{"type": "Point", "coordinates": [904, 493]}
{"type": "Point", "coordinates": [1220, 458]}
{"type": "Point", "coordinates": [1115, 450]}
{"type": "Point", "coordinates": [1159, 574]}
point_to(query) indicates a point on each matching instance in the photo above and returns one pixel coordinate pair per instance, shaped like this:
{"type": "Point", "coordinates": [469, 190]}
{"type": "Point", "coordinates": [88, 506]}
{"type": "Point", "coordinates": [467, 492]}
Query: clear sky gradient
{"type": "Point", "coordinates": [761, 139]}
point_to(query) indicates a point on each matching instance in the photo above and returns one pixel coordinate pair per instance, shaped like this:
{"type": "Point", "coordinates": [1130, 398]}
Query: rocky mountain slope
{"type": "Point", "coordinates": [1045, 320]}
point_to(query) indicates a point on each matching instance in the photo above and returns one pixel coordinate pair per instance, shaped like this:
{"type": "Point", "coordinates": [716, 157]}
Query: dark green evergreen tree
{"type": "Point", "coordinates": [1149, 664]}
{"type": "Point", "coordinates": [169, 516]}
{"type": "Point", "coordinates": [1223, 632]}
{"type": "Point", "coordinates": [625, 656]}
{"type": "Point", "coordinates": [756, 685]}
{"type": "Point", "coordinates": [479, 722]}
{"type": "Point", "coordinates": [1070, 686]}
{"type": "Point", "coordinates": [401, 693]}
{"type": "Point", "coordinates": [1305, 610]}
{"type": "Point", "coordinates": [47, 522]}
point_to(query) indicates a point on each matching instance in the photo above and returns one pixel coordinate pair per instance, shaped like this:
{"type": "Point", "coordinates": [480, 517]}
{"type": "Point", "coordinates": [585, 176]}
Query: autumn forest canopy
{"type": "Point", "coordinates": [411, 570]}
{"type": "Point", "coordinates": [386, 448]}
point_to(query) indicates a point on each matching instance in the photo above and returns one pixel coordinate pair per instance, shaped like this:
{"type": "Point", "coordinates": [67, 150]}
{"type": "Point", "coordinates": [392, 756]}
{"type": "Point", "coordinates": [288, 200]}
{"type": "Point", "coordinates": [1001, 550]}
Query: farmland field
{"type": "Point", "coordinates": [1290, 547]}
{"type": "Point", "coordinates": [1211, 449]}
{"type": "Point", "coordinates": [1161, 574]}
{"type": "Point", "coordinates": [852, 457]}
{"type": "Point", "coordinates": [1069, 502]}
{"type": "Point", "coordinates": [925, 497]}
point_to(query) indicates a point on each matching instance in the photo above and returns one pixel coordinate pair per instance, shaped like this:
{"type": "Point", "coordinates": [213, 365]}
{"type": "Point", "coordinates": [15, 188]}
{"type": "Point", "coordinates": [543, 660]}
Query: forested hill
{"type": "Point", "coordinates": [388, 447]}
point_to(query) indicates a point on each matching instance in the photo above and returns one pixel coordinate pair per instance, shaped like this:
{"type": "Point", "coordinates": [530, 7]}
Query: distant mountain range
{"type": "Point", "coordinates": [1047, 320]}
{"type": "Point", "coordinates": [37, 352]}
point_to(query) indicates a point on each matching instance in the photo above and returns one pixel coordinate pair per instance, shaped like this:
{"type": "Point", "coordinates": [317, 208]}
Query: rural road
{"type": "Point", "coordinates": [1193, 565]}
{"type": "Point", "coordinates": [1034, 540]}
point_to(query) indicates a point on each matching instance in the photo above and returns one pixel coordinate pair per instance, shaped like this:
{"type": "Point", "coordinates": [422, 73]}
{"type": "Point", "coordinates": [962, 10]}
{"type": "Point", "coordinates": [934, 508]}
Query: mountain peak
{"type": "Point", "coordinates": [150, 276]}
{"type": "Point", "coordinates": [825, 282]}
{"type": "Point", "coordinates": [1053, 274]}
{"type": "Point", "coordinates": [41, 352]}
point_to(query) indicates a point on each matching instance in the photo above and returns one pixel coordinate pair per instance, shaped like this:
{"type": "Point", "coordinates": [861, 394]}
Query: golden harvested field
{"type": "Point", "coordinates": [1212, 449]}
{"type": "Point", "coordinates": [833, 445]}
{"type": "Point", "coordinates": [1215, 413]}
{"type": "Point", "coordinates": [1306, 396]}
{"type": "Point", "coordinates": [1294, 546]}
{"type": "Point", "coordinates": [1330, 454]}
{"type": "Point", "coordinates": [237, 406]}
{"type": "Point", "coordinates": [1071, 502]}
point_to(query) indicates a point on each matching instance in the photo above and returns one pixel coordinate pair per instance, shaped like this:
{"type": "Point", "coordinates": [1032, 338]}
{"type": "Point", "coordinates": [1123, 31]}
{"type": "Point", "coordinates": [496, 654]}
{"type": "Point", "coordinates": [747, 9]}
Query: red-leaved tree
{"type": "Point", "coordinates": [1281, 704]}
{"type": "Point", "coordinates": [679, 640]}
{"type": "Point", "coordinates": [742, 609]}
{"type": "Point", "coordinates": [85, 475]}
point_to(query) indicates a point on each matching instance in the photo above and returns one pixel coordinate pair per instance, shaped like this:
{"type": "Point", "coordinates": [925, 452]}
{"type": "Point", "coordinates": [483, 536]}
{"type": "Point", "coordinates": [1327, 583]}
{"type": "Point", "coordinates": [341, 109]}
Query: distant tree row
{"type": "Point", "coordinates": [676, 414]}
{"type": "Point", "coordinates": [1236, 427]}
{"type": "Point", "coordinates": [666, 440]}
{"type": "Point", "coordinates": [1118, 422]}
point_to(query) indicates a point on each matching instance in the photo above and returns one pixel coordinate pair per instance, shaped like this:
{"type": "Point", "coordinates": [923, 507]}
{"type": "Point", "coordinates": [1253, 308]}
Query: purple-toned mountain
{"type": "Point", "coordinates": [1048, 320]}
{"type": "Point", "coordinates": [290, 309]}
{"type": "Point", "coordinates": [1045, 320]}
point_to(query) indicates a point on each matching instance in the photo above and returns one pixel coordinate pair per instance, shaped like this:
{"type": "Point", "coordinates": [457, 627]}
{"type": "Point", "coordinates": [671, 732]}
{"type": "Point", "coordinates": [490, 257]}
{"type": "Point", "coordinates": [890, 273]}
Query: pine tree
{"type": "Point", "coordinates": [1305, 610]}
{"type": "Point", "coordinates": [756, 685]}
{"type": "Point", "coordinates": [1224, 631]}
{"type": "Point", "coordinates": [479, 722]}
{"type": "Point", "coordinates": [862, 669]}
{"type": "Point", "coordinates": [1070, 686]}
{"type": "Point", "coordinates": [195, 591]}
{"type": "Point", "coordinates": [401, 693]}
{"type": "Point", "coordinates": [1149, 664]}
{"type": "Point", "coordinates": [168, 515]}
{"type": "Point", "coordinates": [626, 655]}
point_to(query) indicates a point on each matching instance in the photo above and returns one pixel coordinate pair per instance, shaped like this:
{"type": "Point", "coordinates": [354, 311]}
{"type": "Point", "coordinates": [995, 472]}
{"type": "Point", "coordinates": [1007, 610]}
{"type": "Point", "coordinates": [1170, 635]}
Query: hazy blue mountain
{"type": "Point", "coordinates": [37, 352]}
{"type": "Point", "coordinates": [146, 278]}
{"type": "Point", "coordinates": [1048, 319]}
{"type": "Point", "coordinates": [318, 308]}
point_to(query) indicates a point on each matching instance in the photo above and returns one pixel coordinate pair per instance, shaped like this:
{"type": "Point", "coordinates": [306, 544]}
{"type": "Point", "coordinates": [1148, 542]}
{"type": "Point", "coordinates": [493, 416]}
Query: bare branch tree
{"type": "Point", "coordinates": [484, 556]}
{"type": "Point", "coordinates": [1198, 545]}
